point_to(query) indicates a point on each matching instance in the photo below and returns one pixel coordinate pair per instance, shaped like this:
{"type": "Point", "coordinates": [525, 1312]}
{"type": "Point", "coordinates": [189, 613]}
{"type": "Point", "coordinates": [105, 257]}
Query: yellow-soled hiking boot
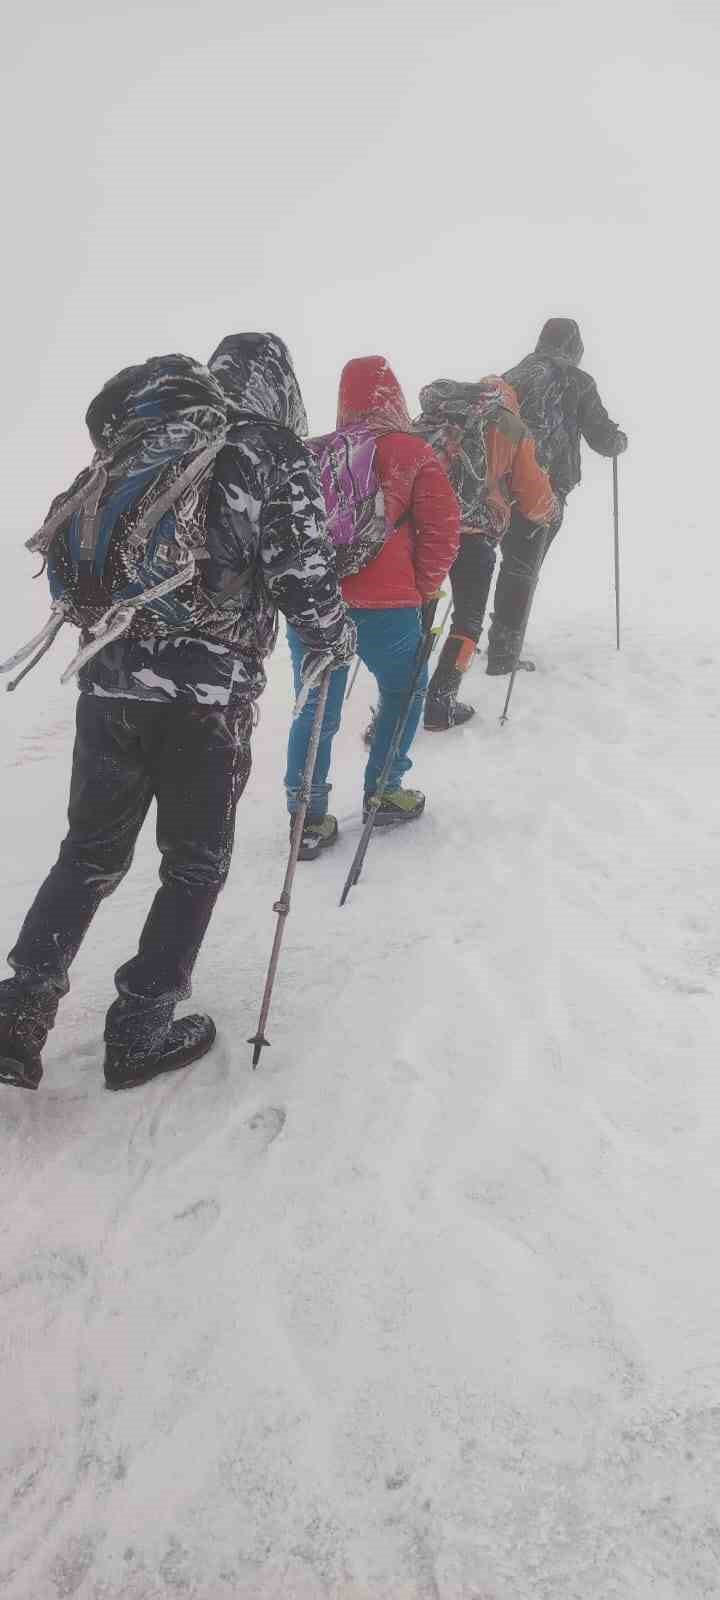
{"type": "Point", "coordinates": [397, 805]}
{"type": "Point", "coordinates": [316, 836]}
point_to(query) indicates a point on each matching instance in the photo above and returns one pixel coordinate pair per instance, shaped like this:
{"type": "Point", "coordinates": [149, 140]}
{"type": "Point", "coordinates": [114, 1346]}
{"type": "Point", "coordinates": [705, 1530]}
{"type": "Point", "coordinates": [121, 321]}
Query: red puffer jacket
{"type": "Point", "coordinates": [416, 558]}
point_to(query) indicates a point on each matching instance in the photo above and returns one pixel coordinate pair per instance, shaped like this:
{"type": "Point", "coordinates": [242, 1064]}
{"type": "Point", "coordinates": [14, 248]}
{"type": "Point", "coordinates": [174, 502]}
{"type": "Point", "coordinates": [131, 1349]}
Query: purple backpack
{"type": "Point", "coordinates": [354, 501]}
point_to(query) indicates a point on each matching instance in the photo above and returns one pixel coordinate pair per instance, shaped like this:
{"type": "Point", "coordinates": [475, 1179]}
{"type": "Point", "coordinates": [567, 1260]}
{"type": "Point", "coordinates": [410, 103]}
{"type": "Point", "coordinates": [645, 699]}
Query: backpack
{"type": "Point", "coordinates": [123, 545]}
{"type": "Point", "coordinates": [454, 425]}
{"type": "Point", "coordinates": [354, 500]}
{"type": "Point", "coordinates": [541, 382]}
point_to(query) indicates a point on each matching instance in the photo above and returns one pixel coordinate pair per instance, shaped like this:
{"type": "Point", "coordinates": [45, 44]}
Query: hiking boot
{"type": "Point", "coordinates": [316, 836]}
{"type": "Point", "coordinates": [21, 1042]}
{"type": "Point", "coordinates": [441, 702]}
{"type": "Point", "coordinates": [443, 710]}
{"type": "Point", "coordinates": [502, 666]}
{"type": "Point", "coordinates": [397, 805]}
{"type": "Point", "coordinates": [504, 645]}
{"type": "Point", "coordinates": [25, 1022]}
{"type": "Point", "coordinates": [186, 1041]}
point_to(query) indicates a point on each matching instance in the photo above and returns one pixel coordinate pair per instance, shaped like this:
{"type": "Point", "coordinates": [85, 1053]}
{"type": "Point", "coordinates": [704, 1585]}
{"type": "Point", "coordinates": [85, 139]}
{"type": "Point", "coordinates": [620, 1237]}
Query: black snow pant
{"type": "Point", "coordinates": [195, 761]}
{"type": "Point", "coordinates": [471, 577]}
{"type": "Point", "coordinates": [520, 548]}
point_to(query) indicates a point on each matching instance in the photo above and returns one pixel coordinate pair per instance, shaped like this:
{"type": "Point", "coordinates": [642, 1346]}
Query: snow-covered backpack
{"type": "Point", "coordinates": [453, 421]}
{"type": "Point", "coordinates": [123, 543]}
{"type": "Point", "coordinates": [541, 384]}
{"type": "Point", "coordinates": [354, 500]}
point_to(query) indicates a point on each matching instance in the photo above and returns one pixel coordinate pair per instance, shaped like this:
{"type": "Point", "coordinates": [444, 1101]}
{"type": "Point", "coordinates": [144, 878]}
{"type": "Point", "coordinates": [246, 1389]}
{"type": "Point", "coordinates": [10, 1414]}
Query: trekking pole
{"type": "Point", "coordinates": [282, 906]}
{"type": "Point", "coordinates": [616, 530]}
{"type": "Point", "coordinates": [526, 619]}
{"type": "Point", "coordinates": [424, 651]}
{"type": "Point", "coordinates": [351, 684]}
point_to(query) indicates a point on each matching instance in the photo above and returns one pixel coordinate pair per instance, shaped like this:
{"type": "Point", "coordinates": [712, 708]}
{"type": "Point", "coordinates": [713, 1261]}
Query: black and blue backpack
{"type": "Point", "coordinates": [123, 546]}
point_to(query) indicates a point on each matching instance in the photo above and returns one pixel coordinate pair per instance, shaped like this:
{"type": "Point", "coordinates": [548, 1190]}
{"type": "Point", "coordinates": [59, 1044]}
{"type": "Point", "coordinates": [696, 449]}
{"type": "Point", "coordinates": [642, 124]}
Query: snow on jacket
{"type": "Point", "coordinates": [488, 451]}
{"type": "Point", "coordinates": [561, 404]}
{"type": "Point", "coordinates": [416, 558]}
{"type": "Point", "coordinates": [267, 545]}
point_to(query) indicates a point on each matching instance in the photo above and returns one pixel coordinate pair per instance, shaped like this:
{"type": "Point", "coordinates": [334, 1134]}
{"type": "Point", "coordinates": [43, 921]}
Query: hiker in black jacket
{"type": "Point", "coordinates": [171, 719]}
{"type": "Point", "coordinates": [560, 405]}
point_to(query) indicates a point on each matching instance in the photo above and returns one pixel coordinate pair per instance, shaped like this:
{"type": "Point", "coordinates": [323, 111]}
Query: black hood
{"type": "Point", "coordinates": [561, 337]}
{"type": "Point", "coordinates": [256, 374]}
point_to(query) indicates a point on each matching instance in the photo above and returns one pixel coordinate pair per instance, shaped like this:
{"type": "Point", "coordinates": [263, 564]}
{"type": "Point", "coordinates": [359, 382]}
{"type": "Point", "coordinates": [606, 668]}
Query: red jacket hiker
{"type": "Point", "coordinates": [416, 558]}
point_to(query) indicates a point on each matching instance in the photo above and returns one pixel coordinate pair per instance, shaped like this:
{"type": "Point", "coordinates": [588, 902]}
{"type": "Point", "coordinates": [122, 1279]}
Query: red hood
{"type": "Point", "coordinates": [370, 393]}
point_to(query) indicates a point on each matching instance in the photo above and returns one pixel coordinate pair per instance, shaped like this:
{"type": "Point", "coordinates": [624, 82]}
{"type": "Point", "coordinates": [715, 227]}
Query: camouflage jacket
{"type": "Point", "coordinates": [267, 545]}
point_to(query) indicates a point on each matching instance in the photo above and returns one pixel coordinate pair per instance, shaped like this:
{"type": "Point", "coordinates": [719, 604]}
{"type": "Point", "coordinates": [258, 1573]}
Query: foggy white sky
{"type": "Point", "coordinates": [426, 180]}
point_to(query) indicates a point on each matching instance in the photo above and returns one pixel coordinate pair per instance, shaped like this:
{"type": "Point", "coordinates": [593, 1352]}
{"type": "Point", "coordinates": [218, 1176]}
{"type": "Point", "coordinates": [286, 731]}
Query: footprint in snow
{"type": "Point", "coordinates": [187, 1227]}
{"type": "Point", "coordinates": [667, 980]}
{"type": "Point", "coordinates": [266, 1124]}
{"type": "Point", "coordinates": [173, 1237]}
{"type": "Point", "coordinates": [90, 1054]}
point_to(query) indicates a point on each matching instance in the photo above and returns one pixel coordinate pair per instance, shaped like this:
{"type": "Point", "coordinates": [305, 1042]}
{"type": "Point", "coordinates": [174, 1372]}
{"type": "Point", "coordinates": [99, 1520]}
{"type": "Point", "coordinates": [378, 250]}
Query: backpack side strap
{"type": "Point", "coordinates": [94, 483]}
{"type": "Point", "coordinates": [42, 639]}
{"type": "Point", "coordinates": [86, 500]}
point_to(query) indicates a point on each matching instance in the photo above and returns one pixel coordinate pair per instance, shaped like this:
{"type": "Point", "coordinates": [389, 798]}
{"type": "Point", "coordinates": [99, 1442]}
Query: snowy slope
{"type": "Point", "coordinates": [427, 1308]}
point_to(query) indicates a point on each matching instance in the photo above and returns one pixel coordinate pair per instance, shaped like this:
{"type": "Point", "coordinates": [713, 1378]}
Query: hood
{"type": "Point", "coordinates": [370, 393]}
{"type": "Point", "coordinates": [164, 389]}
{"type": "Point", "coordinates": [561, 337]}
{"type": "Point", "coordinates": [452, 401]}
{"type": "Point", "coordinates": [256, 374]}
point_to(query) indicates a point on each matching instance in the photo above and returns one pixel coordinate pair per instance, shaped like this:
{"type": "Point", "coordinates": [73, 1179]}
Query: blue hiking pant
{"type": "Point", "coordinates": [388, 642]}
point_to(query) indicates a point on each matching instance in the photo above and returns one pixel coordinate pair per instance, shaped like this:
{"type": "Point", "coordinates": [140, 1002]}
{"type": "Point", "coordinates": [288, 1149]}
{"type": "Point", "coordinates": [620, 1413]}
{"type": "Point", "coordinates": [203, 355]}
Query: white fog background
{"type": "Point", "coordinates": [428, 1308]}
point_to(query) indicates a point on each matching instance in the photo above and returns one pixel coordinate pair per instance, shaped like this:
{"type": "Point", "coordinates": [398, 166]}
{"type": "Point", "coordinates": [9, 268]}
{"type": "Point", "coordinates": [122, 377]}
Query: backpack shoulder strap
{"type": "Point", "coordinates": [87, 499]}
{"type": "Point", "coordinates": [176, 489]}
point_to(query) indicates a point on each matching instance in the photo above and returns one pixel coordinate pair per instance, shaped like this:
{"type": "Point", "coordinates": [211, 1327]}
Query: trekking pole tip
{"type": "Point", "coordinates": [258, 1041]}
{"type": "Point", "coordinates": [349, 884]}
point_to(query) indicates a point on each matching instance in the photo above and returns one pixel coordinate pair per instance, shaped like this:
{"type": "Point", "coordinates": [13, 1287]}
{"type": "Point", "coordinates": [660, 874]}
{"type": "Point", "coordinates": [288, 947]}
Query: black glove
{"type": "Point", "coordinates": [621, 443]}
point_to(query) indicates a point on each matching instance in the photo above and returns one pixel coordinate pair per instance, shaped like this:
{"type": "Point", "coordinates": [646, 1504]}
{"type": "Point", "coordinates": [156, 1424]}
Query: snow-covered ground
{"type": "Point", "coordinates": [427, 1308]}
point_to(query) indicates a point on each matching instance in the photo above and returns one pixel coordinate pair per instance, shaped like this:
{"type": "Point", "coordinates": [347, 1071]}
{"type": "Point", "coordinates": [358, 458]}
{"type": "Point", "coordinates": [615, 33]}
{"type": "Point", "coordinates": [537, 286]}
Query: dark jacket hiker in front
{"type": "Point", "coordinates": [170, 718]}
{"type": "Point", "coordinates": [561, 406]}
